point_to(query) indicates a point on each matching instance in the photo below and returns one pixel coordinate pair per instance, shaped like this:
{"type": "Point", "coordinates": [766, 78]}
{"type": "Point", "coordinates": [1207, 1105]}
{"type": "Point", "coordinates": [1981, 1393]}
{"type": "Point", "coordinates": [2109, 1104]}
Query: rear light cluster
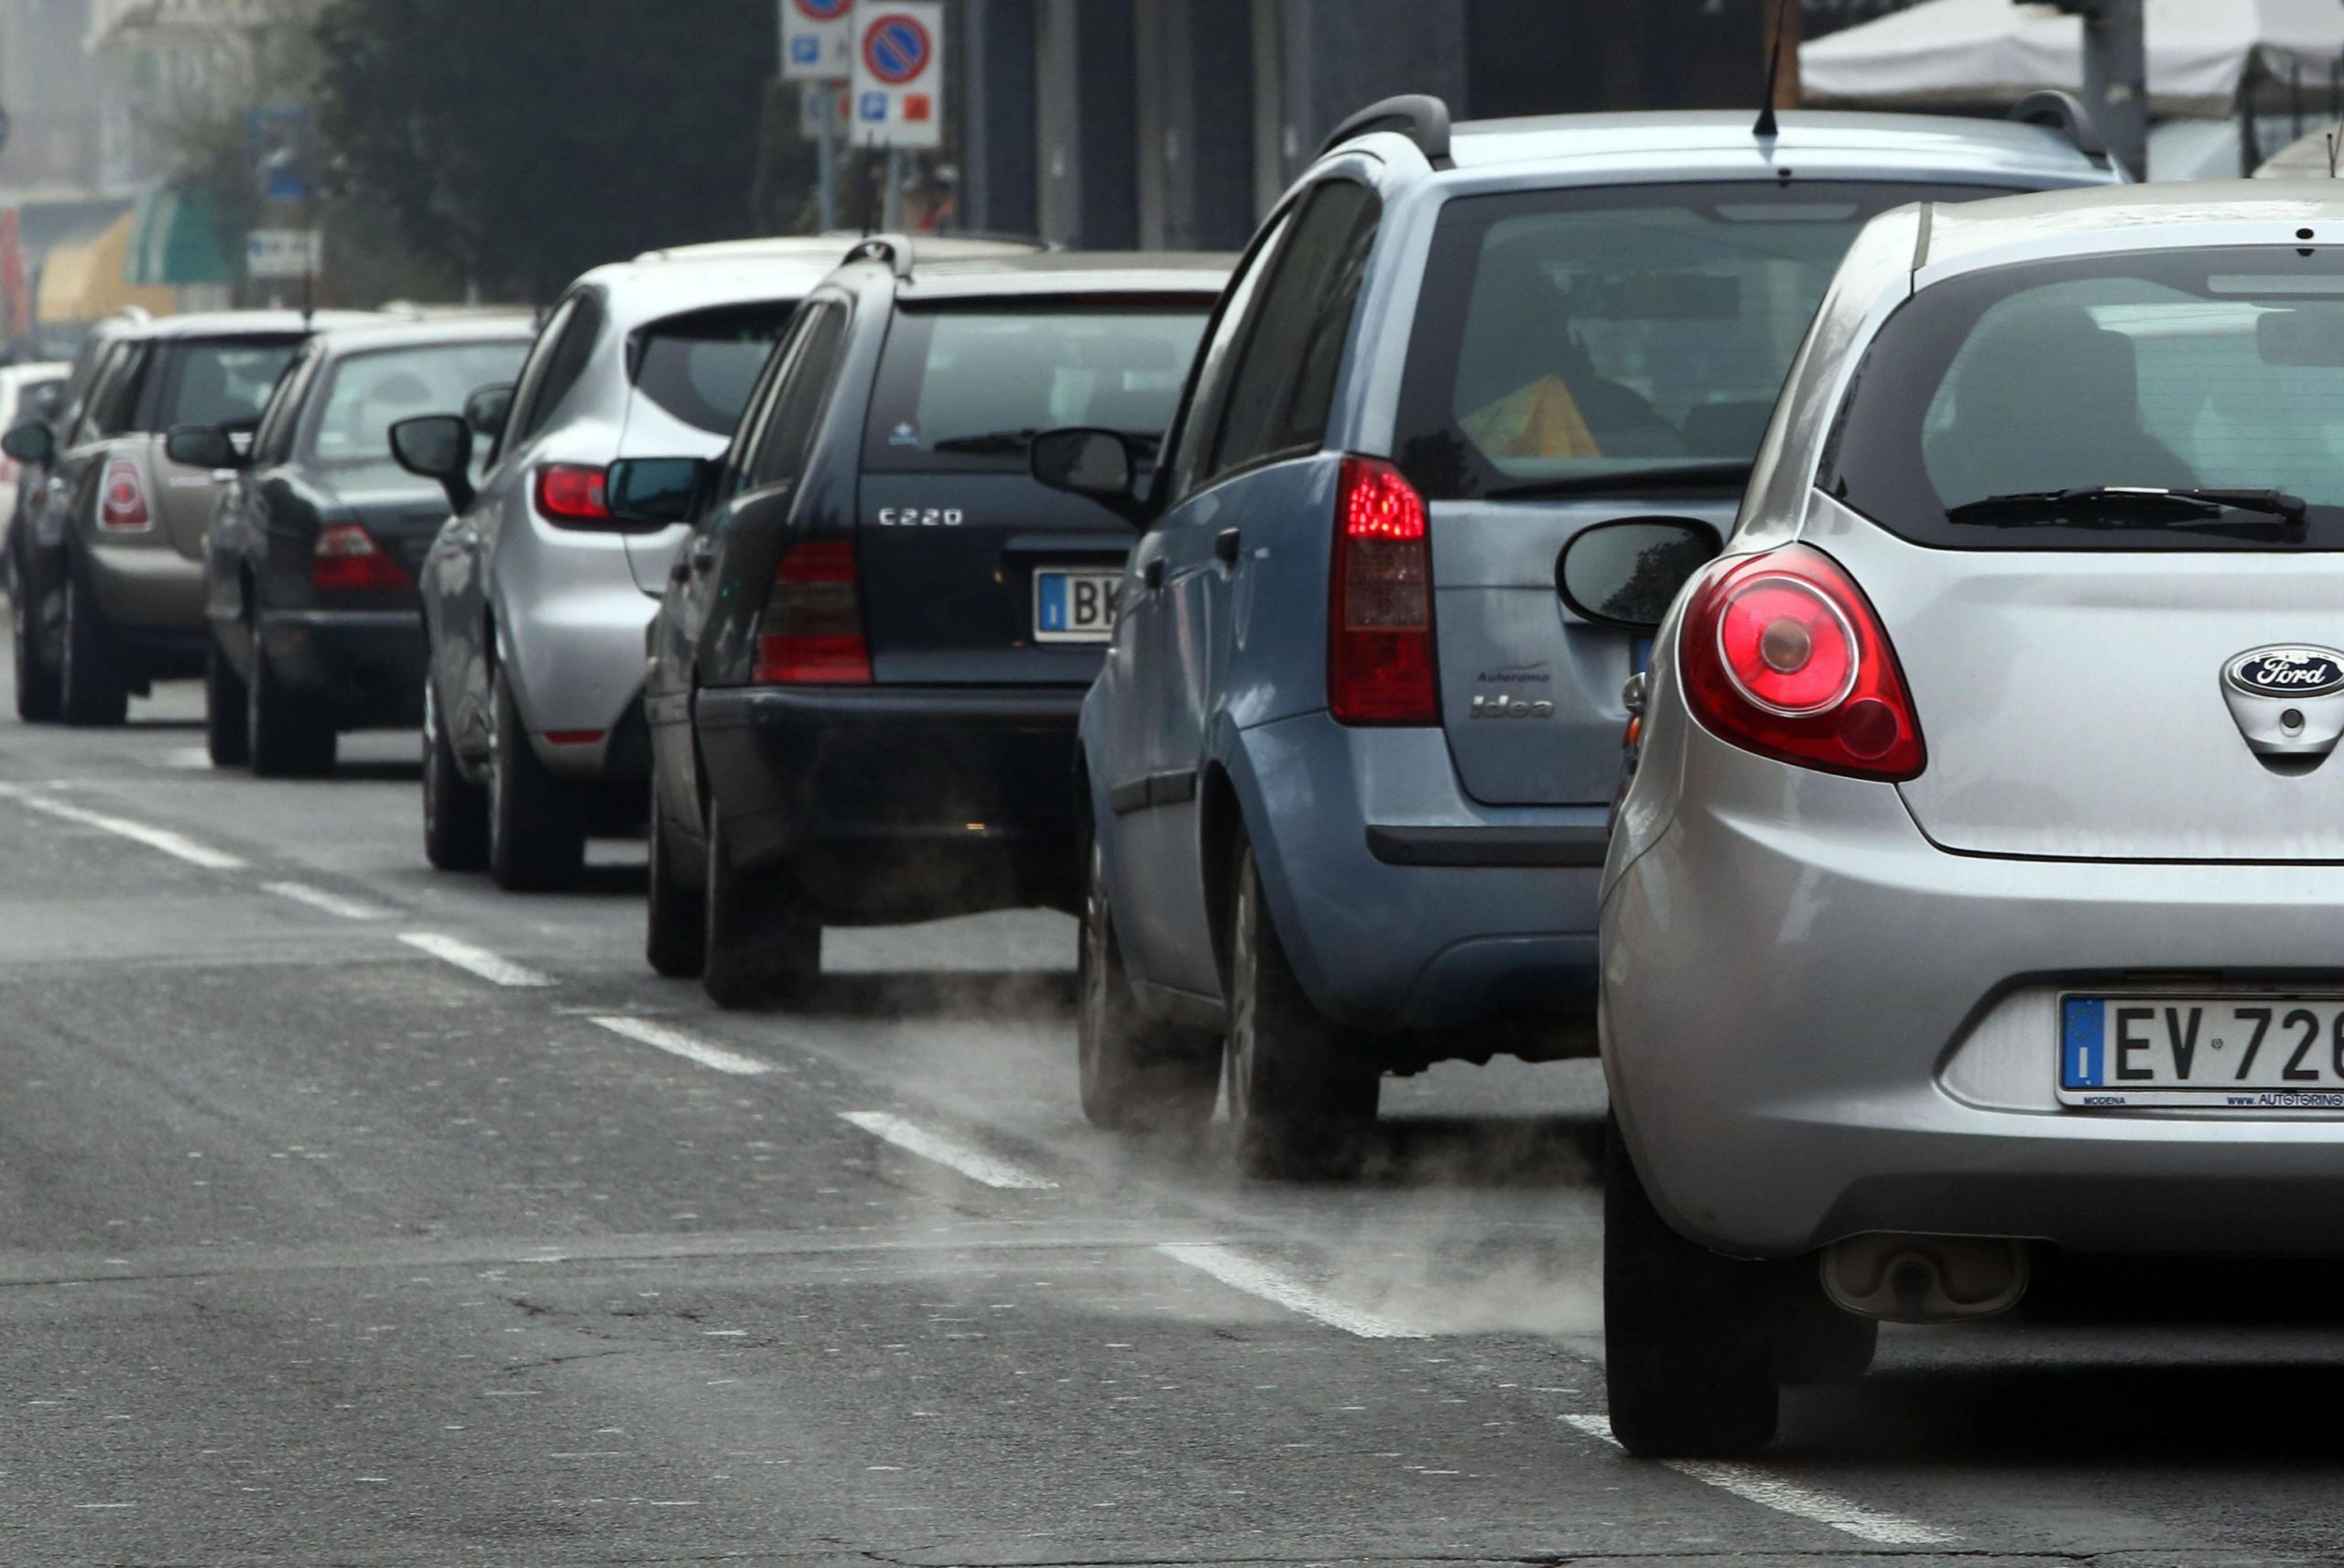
{"type": "Point", "coordinates": [1785, 656]}
{"type": "Point", "coordinates": [1380, 664]}
{"type": "Point", "coordinates": [346, 560]}
{"type": "Point", "coordinates": [122, 505]}
{"type": "Point", "coordinates": [571, 495]}
{"type": "Point", "coordinates": [811, 632]}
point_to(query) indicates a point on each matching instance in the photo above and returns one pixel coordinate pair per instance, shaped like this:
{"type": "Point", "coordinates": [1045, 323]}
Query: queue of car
{"type": "Point", "coordinates": [1939, 520]}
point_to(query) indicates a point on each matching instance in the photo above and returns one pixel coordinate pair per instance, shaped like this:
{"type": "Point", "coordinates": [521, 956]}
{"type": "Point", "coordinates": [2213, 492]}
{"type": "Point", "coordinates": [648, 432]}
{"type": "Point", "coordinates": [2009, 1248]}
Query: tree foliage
{"type": "Point", "coordinates": [521, 142]}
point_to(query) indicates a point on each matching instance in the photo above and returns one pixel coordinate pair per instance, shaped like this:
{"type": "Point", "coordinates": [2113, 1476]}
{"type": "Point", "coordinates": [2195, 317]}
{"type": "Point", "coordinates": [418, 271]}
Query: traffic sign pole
{"type": "Point", "coordinates": [826, 156]}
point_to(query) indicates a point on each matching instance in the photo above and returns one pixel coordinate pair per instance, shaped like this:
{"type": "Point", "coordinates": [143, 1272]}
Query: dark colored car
{"type": "Point", "coordinates": [864, 675]}
{"type": "Point", "coordinates": [109, 576]}
{"type": "Point", "coordinates": [310, 562]}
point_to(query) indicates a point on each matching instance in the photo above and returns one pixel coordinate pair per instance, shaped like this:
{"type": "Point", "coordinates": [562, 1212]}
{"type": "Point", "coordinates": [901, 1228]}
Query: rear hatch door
{"type": "Point", "coordinates": [971, 571]}
{"type": "Point", "coordinates": [205, 381]}
{"type": "Point", "coordinates": [1530, 692]}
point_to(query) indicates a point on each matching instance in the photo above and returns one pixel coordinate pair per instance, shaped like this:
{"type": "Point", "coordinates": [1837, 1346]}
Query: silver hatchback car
{"type": "Point", "coordinates": [1976, 891]}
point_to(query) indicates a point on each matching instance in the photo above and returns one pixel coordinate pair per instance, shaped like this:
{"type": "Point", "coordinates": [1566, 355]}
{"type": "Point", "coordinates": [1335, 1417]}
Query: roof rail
{"type": "Point", "coordinates": [896, 250]}
{"type": "Point", "coordinates": [2060, 111]}
{"type": "Point", "coordinates": [1420, 116]}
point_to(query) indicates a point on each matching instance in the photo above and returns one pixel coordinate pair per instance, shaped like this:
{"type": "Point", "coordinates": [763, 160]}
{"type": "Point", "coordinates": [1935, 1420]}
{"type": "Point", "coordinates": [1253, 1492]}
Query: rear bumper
{"type": "Point", "coordinates": [903, 803]}
{"type": "Point", "coordinates": [1405, 904]}
{"type": "Point", "coordinates": [366, 665]}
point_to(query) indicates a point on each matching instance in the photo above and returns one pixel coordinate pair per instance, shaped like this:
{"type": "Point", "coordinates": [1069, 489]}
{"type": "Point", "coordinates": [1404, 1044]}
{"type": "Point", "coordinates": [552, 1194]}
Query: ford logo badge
{"type": "Point", "coordinates": [2287, 670]}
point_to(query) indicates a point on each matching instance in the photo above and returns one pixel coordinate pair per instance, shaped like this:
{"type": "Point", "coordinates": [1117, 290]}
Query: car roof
{"type": "Point", "coordinates": [641, 290]}
{"type": "Point", "coordinates": [1198, 273]}
{"type": "Point", "coordinates": [2134, 217]}
{"type": "Point", "coordinates": [2008, 148]}
{"type": "Point", "coordinates": [508, 328]}
{"type": "Point", "coordinates": [245, 323]}
{"type": "Point", "coordinates": [836, 245]}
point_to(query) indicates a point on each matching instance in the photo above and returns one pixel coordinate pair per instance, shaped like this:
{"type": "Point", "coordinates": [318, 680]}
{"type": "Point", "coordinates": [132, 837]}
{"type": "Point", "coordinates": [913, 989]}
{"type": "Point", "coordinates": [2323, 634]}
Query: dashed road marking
{"type": "Point", "coordinates": [971, 1162]}
{"type": "Point", "coordinates": [175, 844]}
{"type": "Point", "coordinates": [1754, 1485]}
{"type": "Point", "coordinates": [187, 759]}
{"type": "Point", "coordinates": [676, 1043]}
{"type": "Point", "coordinates": [473, 960]}
{"type": "Point", "coordinates": [1240, 1272]}
{"type": "Point", "coordinates": [331, 902]}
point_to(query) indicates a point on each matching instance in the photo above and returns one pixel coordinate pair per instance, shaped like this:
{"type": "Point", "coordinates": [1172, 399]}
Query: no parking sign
{"type": "Point", "coordinates": [817, 37]}
{"type": "Point", "coordinates": [898, 91]}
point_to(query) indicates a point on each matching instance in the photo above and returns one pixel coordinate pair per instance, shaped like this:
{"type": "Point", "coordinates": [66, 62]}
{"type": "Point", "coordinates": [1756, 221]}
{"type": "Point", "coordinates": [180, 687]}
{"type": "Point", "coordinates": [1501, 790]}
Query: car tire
{"type": "Point", "coordinates": [40, 695]}
{"type": "Point", "coordinates": [758, 948]}
{"type": "Point", "coordinates": [286, 734]}
{"type": "Point", "coordinates": [1136, 1074]}
{"type": "Point", "coordinates": [94, 690]}
{"type": "Point", "coordinates": [675, 936]}
{"type": "Point", "coordinates": [537, 819]}
{"type": "Point", "coordinates": [1302, 1090]}
{"type": "Point", "coordinates": [455, 809]}
{"type": "Point", "coordinates": [227, 727]}
{"type": "Point", "coordinates": [1690, 1349]}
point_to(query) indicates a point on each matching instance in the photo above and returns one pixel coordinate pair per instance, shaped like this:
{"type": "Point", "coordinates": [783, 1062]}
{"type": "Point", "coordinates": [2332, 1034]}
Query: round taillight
{"type": "Point", "coordinates": [1786, 648]}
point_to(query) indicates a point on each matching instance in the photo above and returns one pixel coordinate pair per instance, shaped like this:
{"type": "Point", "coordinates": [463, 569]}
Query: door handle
{"type": "Point", "coordinates": [1224, 545]}
{"type": "Point", "coordinates": [1152, 574]}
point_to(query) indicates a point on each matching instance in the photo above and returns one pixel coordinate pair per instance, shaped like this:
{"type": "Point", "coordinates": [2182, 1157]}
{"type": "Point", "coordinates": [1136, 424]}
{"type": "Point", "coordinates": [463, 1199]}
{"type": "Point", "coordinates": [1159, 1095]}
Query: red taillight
{"type": "Point", "coordinates": [811, 632]}
{"type": "Point", "coordinates": [346, 558]}
{"type": "Point", "coordinates": [1380, 664]}
{"type": "Point", "coordinates": [571, 493]}
{"type": "Point", "coordinates": [1784, 655]}
{"type": "Point", "coordinates": [121, 506]}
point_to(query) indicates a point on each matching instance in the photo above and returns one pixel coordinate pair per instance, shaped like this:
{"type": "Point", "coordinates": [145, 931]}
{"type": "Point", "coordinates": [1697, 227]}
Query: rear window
{"type": "Point", "coordinates": [1988, 395]}
{"type": "Point", "coordinates": [366, 394]}
{"type": "Point", "coordinates": [967, 389]}
{"type": "Point", "coordinates": [1566, 335]}
{"type": "Point", "coordinates": [700, 367]}
{"type": "Point", "coordinates": [222, 381]}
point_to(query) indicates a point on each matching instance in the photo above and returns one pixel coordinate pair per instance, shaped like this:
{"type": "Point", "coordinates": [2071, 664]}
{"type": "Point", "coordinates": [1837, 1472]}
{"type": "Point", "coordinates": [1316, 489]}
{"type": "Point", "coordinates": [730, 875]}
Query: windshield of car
{"type": "Point", "coordinates": [2046, 404]}
{"type": "Point", "coordinates": [700, 367]}
{"type": "Point", "coordinates": [366, 394]}
{"type": "Point", "coordinates": [223, 381]}
{"type": "Point", "coordinates": [966, 388]}
{"type": "Point", "coordinates": [1569, 334]}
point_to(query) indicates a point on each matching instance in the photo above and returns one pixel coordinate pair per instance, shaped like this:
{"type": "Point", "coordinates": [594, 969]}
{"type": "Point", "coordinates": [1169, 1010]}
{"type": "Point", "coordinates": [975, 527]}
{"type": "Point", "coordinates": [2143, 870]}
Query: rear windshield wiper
{"type": "Point", "coordinates": [1011, 443]}
{"type": "Point", "coordinates": [2118, 506]}
{"type": "Point", "coordinates": [1716, 476]}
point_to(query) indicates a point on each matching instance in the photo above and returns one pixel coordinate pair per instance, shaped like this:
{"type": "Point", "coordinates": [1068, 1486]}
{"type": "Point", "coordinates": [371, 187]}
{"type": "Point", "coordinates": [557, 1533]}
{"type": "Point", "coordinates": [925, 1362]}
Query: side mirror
{"type": "Point", "coordinates": [654, 492]}
{"type": "Point", "coordinates": [487, 409]}
{"type": "Point", "coordinates": [30, 442]}
{"type": "Point", "coordinates": [203, 446]}
{"type": "Point", "coordinates": [1628, 572]}
{"type": "Point", "coordinates": [1097, 464]}
{"type": "Point", "coordinates": [437, 446]}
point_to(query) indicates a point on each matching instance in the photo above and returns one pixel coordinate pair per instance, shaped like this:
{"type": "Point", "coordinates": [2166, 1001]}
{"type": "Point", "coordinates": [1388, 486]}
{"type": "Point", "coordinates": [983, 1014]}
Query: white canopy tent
{"type": "Point", "coordinates": [1979, 52]}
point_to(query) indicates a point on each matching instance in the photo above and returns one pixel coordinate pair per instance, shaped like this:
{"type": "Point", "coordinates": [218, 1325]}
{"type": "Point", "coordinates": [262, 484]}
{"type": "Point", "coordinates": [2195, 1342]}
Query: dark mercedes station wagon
{"type": "Point", "coordinates": [864, 676]}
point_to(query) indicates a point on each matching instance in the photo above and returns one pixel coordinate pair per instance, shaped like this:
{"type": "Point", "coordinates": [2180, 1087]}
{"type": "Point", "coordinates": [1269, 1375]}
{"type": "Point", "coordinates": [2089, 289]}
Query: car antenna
{"type": "Point", "coordinates": [2335, 145]}
{"type": "Point", "coordinates": [1766, 129]}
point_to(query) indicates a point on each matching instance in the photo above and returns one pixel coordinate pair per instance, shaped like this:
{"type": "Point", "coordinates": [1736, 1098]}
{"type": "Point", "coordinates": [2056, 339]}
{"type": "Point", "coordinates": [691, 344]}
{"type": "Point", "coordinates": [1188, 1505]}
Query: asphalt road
{"type": "Point", "coordinates": [355, 1214]}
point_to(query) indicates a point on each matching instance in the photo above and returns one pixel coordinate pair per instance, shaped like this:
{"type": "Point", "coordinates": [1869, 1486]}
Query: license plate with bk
{"type": "Point", "coordinates": [1076, 604]}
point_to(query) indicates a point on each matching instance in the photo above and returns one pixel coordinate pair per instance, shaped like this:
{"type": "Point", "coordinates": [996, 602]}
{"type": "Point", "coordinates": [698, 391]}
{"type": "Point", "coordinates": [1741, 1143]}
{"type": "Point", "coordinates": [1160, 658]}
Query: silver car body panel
{"type": "Point", "coordinates": [1818, 1019]}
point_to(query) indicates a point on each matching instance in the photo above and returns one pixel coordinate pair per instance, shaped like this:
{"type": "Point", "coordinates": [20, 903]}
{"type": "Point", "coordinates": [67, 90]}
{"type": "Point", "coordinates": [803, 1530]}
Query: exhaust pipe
{"type": "Point", "coordinates": [1925, 1278]}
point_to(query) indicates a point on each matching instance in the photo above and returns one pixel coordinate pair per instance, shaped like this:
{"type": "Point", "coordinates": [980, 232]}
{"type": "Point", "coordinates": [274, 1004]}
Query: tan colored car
{"type": "Point", "coordinates": [110, 576]}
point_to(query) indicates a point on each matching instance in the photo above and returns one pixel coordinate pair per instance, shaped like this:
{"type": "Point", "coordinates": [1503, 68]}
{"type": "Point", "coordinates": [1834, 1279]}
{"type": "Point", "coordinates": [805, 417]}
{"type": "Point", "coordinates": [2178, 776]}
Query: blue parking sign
{"type": "Point", "coordinates": [871, 106]}
{"type": "Point", "coordinates": [806, 52]}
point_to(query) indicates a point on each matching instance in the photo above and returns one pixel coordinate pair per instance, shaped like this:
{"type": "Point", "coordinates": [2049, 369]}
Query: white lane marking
{"type": "Point", "coordinates": [188, 758]}
{"type": "Point", "coordinates": [971, 1162]}
{"type": "Point", "coordinates": [331, 902]}
{"type": "Point", "coordinates": [473, 960]}
{"type": "Point", "coordinates": [163, 839]}
{"type": "Point", "coordinates": [676, 1043]}
{"type": "Point", "coordinates": [1757, 1485]}
{"type": "Point", "coordinates": [1242, 1274]}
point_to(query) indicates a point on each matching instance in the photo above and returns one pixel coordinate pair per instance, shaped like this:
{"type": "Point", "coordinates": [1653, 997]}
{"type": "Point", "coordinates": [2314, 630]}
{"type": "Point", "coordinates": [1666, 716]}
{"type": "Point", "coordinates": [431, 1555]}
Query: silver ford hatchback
{"type": "Point", "coordinates": [1977, 890]}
